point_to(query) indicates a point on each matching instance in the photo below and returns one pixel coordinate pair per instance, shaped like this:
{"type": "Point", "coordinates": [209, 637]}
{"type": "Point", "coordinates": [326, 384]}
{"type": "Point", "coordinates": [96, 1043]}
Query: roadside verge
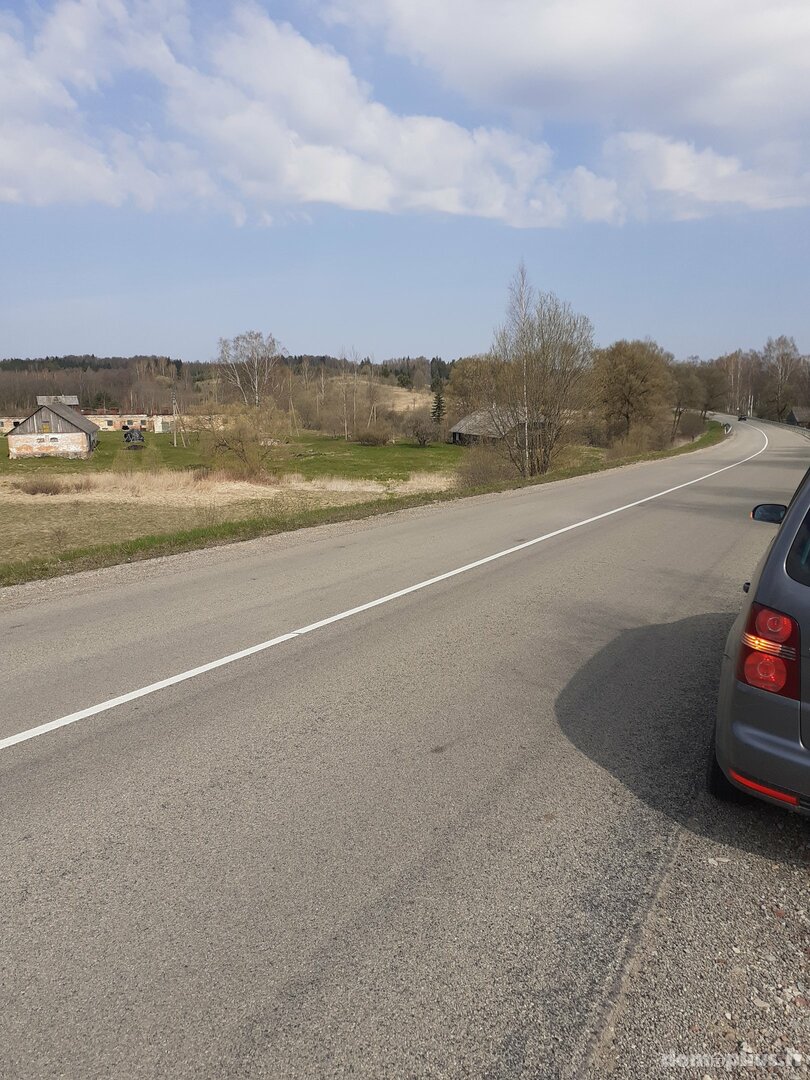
{"type": "Point", "coordinates": [227, 532]}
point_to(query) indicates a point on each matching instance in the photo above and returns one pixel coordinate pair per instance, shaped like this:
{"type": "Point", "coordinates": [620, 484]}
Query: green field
{"type": "Point", "coordinates": [109, 454]}
{"type": "Point", "coordinates": [311, 455]}
{"type": "Point", "coordinates": [314, 456]}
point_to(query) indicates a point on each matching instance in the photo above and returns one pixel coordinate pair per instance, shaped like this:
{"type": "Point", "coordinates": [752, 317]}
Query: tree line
{"type": "Point", "coordinates": [543, 383]}
{"type": "Point", "coordinates": [147, 384]}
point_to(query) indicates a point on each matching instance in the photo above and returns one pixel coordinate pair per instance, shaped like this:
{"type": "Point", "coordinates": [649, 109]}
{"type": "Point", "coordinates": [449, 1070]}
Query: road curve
{"type": "Point", "coordinates": [426, 840]}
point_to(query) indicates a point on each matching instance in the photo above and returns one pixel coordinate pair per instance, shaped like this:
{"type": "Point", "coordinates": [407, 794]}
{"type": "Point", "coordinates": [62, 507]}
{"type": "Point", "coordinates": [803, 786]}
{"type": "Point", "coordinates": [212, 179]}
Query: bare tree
{"type": "Point", "coordinates": [469, 386]}
{"type": "Point", "coordinates": [242, 437]}
{"type": "Point", "coordinates": [354, 360]}
{"type": "Point", "coordinates": [422, 427]}
{"type": "Point", "coordinates": [515, 347]}
{"type": "Point", "coordinates": [714, 380]}
{"type": "Point", "coordinates": [343, 392]}
{"type": "Point", "coordinates": [688, 392]}
{"type": "Point", "coordinates": [372, 394]}
{"type": "Point", "coordinates": [540, 360]}
{"type": "Point", "coordinates": [248, 363]}
{"type": "Point", "coordinates": [782, 361]}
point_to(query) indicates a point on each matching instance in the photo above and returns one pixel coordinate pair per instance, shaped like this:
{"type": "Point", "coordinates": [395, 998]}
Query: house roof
{"type": "Point", "coordinates": [490, 423]}
{"type": "Point", "coordinates": [73, 417]}
{"type": "Point", "coordinates": [69, 415]}
{"type": "Point", "coordinates": [65, 399]}
{"type": "Point", "coordinates": [802, 413]}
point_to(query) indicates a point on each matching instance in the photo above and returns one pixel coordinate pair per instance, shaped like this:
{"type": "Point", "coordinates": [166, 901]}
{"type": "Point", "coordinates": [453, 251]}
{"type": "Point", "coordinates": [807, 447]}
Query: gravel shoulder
{"type": "Point", "coordinates": [721, 970]}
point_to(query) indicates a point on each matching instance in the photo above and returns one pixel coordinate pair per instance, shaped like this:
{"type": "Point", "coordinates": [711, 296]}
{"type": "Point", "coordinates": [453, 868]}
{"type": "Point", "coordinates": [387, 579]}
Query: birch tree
{"type": "Point", "coordinates": [782, 361]}
{"type": "Point", "coordinates": [248, 363]}
{"type": "Point", "coordinates": [541, 358]}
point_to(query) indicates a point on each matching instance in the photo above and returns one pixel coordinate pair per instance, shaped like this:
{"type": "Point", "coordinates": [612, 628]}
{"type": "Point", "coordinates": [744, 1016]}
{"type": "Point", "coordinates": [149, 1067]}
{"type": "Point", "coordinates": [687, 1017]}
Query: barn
{"type": "Point", "coordinates": [53, 430]}
{"type": "Point", "coordinates": [799, 415]}
{"type": "Point", "coordinates": [491, 425]}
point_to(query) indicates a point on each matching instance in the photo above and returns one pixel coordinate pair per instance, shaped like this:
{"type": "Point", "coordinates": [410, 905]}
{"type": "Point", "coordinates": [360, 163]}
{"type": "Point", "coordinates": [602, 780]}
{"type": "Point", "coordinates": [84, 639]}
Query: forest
{"type": "Point", "coordinates": [764, 382]}
{"type": "Point", "coordinates": [146, 384]}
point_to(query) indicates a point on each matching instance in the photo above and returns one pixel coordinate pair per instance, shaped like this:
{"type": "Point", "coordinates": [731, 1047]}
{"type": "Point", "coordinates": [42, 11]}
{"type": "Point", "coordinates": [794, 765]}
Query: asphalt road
{"type": "Point", "coordinates": [461, 833]}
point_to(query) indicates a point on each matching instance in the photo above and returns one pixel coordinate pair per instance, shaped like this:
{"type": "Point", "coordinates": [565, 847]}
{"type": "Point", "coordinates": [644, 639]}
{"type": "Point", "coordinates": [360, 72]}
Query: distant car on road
{"type": "Point", "coordinates": [742, 416]}
{"type": "Point", "coordinates": [762, 734]}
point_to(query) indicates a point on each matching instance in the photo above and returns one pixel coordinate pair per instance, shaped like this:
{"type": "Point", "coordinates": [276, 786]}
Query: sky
{"type": "Point", "coordinates": [367, 174]}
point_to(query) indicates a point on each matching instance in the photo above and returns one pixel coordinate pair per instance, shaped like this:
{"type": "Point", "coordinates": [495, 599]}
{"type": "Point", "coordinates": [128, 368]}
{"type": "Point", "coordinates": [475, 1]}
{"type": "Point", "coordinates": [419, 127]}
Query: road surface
{"type": "Point", "coordinates": [458, 833]}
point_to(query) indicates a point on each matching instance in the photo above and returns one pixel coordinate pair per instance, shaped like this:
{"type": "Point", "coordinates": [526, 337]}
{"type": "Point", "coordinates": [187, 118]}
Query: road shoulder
{"type": "Point", "coordinates": [721, 969]}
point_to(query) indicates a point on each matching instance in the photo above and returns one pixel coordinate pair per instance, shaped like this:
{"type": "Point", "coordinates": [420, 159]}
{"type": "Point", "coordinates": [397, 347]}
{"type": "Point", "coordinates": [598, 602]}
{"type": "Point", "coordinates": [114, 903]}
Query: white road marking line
{"type": "Point", "coordinates": [192, 673]}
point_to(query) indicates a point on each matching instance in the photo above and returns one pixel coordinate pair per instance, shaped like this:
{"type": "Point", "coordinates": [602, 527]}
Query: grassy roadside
{"type": "Point", "coordinates": [225, 532]}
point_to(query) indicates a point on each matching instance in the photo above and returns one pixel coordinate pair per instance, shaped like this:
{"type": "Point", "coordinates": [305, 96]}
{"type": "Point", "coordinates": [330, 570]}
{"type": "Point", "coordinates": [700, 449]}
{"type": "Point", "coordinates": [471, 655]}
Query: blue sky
{"type": "Point", "coordinates": [366, 174]}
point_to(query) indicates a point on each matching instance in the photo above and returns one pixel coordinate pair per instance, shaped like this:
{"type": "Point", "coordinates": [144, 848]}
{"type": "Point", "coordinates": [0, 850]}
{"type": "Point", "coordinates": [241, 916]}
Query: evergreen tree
{"type": "Point", "coordinates": [438, 410]}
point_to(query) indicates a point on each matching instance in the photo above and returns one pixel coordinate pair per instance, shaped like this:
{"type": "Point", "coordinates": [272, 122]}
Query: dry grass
{"type": "Point", "coordinates": [46, 514]}
{"type": "Point", "coordinates": [49, 485]}
{"type": "Point", "coordinates": [421, 482]}
{"type": "Point", "coordinates": [401, 400]}
{"type": "Point", "coordinates": [189, 489]}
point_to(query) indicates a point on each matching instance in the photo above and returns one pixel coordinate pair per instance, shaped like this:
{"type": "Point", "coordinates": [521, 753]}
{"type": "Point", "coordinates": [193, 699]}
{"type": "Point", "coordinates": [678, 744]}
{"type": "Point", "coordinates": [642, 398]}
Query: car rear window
{"type": "Point", "coordinates": [798, 560]}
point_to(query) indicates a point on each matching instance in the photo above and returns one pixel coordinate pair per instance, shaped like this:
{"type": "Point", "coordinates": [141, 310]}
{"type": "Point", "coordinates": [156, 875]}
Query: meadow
{"type": "Point", "coordinates": [120, 504]}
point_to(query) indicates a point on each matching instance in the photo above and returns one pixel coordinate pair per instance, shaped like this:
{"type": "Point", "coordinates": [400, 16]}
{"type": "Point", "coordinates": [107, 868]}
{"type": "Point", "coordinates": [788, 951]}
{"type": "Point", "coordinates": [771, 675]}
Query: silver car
{"type": "Point", "coordinates": [762, 735]}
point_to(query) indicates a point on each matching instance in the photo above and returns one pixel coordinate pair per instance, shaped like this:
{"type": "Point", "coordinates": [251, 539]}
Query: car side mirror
{"type": "Point", "coordinates": [773, 513]}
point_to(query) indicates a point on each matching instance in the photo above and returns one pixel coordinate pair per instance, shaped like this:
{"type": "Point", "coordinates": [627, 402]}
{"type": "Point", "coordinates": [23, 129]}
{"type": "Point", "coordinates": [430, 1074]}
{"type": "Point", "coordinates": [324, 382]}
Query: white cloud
{"type": "Point", "coordinates": [677, 178]}
{"type": "Point", "coordinates": [710, 64]}
{"type": "Point", "coordinates": [252, 118]}
{"type": "Point", "coordinates": [289, 121]}
{"type": "Point", "coordinates": [39, 161]}
{"type": "Point", "coordinates": [25, 87]}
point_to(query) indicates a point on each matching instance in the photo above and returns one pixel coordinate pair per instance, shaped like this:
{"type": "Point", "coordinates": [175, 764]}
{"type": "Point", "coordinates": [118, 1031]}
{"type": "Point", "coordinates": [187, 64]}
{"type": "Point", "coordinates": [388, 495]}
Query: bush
{"type": "Point", "coordinates": [245, 441]}
{"type": "Point", "coordinates": [376, 435]}
{"type": "Point", "coordinates": [642, 439]}
{"type": "Point", "coordinates": [593, 431]}
{"type": "Point", "coordinates": [423, 428]}
{"type": "Point", "coordinates": [395, 419]}
{"type": "Point", "coordinates": [40, 486]}
{"type": "Point", "coordinates": [483, 466]}
{"type": "Point", "coordinates": [50, 485]}
{"type": "Point", "coordinates": [691, 425]}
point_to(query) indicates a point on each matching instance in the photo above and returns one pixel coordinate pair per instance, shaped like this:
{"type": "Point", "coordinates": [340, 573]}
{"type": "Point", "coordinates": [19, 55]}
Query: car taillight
{"type": "Point", "coordinates": [769, 654]}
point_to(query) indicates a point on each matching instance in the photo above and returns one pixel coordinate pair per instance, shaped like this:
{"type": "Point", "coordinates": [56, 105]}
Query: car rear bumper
{"type": "Point", "coordinates": [759, 738]}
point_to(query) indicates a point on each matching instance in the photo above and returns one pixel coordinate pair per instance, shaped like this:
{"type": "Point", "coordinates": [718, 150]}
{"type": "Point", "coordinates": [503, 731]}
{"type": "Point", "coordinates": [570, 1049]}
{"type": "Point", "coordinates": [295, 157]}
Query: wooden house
{"type": "Point", "coordinates": [53, 430]}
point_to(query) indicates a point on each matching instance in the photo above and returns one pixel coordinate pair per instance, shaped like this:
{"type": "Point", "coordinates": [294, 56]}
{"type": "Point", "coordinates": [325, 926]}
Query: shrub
{"type": "Point", "coordinates": [423, 428]}
{"type": "Point", "coordinates": [244, 440]}
{"type": "Point", "coordinates": [40, 485]}
{"type": "Point", "coordinates": [51, 485]}
{"type": "Point", "coordinates": [691, 425]}
{"type": "Point", "coordinates": [642, 438]}
{"type": "Point", "coordinates": [376, 435]}
{"type": "Point", "coordinates": [483, 466]}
